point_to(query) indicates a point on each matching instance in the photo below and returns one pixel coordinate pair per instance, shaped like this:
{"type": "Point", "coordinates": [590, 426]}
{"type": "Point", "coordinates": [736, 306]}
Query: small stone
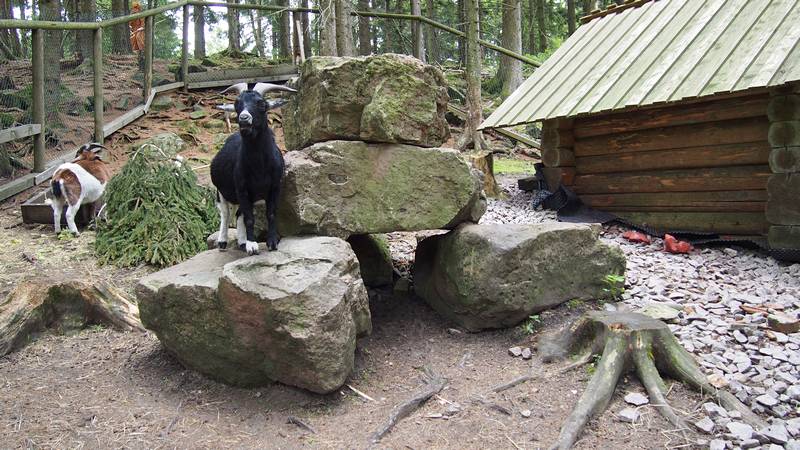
{"type": "Point", "coordinates": [767, 400]}
{"type": "Point", "coordinates": [783, 323]}
{"type": "Point", "coordinates": [793, 392]}
{"type": "Point", "coordinates": [792, 445]}
{"type": "Point", "coordinates": [636, 399]}
{"type": "Point", "coordinates": [628, 415]}
{"type": "Point", "coordinates": [714, 410]}
{"type": "Point", "coordinates": [515, 351]}
{"type": "Point", "coordinates": [526, 353]}
{"type": "Point", "coordinates": [705, 424]}
{"type": "Point", "coordinates": [741, 431]}
{"type": "Point", "coordinates": [717, 380]}
{"type": "Point", "coordinates": [776, 433]}
{"type": "Point", "coordinates": [453, 331]}
{"type": "Point", "coordinates": [739, 336]}
{"type": "Point", "coordinates": [197, 115]}
{"type": "Point", "coordinates": [525, 413]}
{"type": "Point", "coordinates": [749, 443]}
{"type": "Point", "coordinates": [660, 311]}
{"type": "Point", "coordinates": [717, 444]}
{"type": "Point", "coordinates": [452, 409]}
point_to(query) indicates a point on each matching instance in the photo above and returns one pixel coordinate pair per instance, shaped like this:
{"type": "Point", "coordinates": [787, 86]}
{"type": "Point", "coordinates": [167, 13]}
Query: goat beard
{"type": "Point", "coordinates": [250, 131]}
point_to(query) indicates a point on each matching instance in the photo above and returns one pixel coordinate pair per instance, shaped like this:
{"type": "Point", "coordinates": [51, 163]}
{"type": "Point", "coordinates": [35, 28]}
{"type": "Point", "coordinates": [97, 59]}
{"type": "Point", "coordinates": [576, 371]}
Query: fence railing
{"type": "Point", "coordinates": [48, 108]}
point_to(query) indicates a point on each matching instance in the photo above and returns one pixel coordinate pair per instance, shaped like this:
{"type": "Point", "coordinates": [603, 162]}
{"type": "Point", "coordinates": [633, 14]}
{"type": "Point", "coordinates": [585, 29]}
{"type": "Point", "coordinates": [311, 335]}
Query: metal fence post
{"type": "Point", "coordinates": [97, 64]}
{"type": "Point", "coordinates": [37, 107]}
{"type": "Point", "coordinates": [185, 49]}
{"type": "Point", "coordinates": [148, 57]}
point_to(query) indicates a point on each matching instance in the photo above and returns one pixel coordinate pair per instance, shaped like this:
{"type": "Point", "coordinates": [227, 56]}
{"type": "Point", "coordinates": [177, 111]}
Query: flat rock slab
{"type": "Point", "coordinates": [495, 276]}
{"type": "Point", "coordinates": [342, 188]}
{"type": "Point", "coordinates": [385, 98]}
{"type": "Point", "coordinates": [291, 315]}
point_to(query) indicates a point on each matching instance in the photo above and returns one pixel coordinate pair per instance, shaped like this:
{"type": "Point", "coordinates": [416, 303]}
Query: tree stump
{"type": "Point", "coordinates": [484, 161]}
{"type": "Point", "coordinates": [627, 342]}
{"type": "Point", "coordinates": [36, 305]}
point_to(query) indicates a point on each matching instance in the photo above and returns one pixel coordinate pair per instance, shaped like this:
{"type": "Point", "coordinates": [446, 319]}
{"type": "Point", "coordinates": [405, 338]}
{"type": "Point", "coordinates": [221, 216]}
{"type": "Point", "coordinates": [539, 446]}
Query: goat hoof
{"type": "Point", "coordinates": [252, 248]}
{"type": "Point", "coordinates": [242, 247]}
{"type": "Point", "coordinates": [222, 246]}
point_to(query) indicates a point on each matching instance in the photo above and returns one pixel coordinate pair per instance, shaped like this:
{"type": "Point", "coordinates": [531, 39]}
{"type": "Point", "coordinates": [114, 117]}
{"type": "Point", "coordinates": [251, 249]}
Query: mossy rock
{"type": "Point", "coordinates": [197, 114]}
{"type": "Point", "coordinates": [213, 124]}
{"type": "Point", "coordinates": [162, 103]}
{"type": "Point", "coordinates": [374, 257]}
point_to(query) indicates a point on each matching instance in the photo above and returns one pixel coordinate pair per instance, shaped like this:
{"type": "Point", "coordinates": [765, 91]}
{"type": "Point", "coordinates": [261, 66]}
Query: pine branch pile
{"type": "Point", "coordinates": [156, 213]}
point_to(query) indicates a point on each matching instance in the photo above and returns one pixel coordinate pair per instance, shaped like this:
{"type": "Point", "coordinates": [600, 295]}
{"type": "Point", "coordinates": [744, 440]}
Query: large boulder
{"type": "Point", "coordinates": [494, 276]}
{"type": "Point", "coordinates": [291, 315]}
{"type": "Point", "coordinates": [374, 258]}
{"type": "Point", "coordinates": [386, 98]}
{"type": "Point", "coordinates": [340, 188]}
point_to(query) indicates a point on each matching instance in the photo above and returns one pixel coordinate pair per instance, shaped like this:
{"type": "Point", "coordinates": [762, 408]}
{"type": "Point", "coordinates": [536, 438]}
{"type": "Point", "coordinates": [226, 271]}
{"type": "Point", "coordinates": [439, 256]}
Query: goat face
{"type": "Point", "coordinates": [251, 107]}
{"type": "Point", "coordinates": [88, 152]}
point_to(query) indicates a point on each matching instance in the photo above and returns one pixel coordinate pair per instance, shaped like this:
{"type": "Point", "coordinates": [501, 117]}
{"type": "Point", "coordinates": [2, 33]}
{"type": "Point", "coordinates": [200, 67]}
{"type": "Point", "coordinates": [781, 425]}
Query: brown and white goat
{"type": "Point", "coordinates": [77, 183]}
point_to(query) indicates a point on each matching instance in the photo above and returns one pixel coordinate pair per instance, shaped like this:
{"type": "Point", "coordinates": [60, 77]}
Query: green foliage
{"type": "Point", "coordinates": [591, 368]}
{"type": "Point", "coordinates": [513, 166]}
{"type": "Point", "coordinates": [574, 303]}
{"type": "Point", "coordinates": [531, 324]}
{"type": "Point", "coordinates": [614, 286]}
{"type": "Point", "coordinates": [157, 213]}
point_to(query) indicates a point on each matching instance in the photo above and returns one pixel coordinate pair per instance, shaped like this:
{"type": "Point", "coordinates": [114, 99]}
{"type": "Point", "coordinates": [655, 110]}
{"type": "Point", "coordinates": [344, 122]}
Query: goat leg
{"type": "Point", "coordinates": [272, 207]}
{"type": "Point", "coordinates": [246, 209]}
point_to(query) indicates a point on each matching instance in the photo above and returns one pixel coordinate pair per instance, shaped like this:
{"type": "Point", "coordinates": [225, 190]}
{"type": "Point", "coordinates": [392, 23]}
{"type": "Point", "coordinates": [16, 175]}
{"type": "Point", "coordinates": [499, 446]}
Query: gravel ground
{"type": "Point", "coordinates": [717, 302]}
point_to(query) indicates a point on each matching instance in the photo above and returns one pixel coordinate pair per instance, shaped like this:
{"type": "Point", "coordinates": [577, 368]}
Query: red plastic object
{"type": "Point", "coordinates": [635, 236]}
{"type": "Point", "coordinates": [673, 245]}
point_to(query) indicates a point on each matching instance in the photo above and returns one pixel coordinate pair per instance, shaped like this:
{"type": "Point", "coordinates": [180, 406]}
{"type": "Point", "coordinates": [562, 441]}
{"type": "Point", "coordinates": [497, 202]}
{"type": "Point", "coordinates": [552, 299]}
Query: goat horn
{"type": "Point", "coordinates": [96, 146]}
{"type": "Point", "coordinates": [238, 87]}
{"type": "Point", "coordinates": [227, 107]}
{"type": "Point", "coordinates": [263, 88]}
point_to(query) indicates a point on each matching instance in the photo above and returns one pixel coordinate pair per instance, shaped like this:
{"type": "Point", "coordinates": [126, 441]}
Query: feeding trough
{"type": "Point", "coordinates": [37, 210]}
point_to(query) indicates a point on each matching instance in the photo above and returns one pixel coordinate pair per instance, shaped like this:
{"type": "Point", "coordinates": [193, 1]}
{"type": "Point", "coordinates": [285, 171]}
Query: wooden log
{"type": "Point", "coordinates": [683, 114]}
{"type": "Point", "coordinates": [558, 157]}
{"type": "Point", "coordinates": [689, 180]}
{"type": "Point", "coordinates": [712, 222]}
{"type": "Point", "coordinates": [784, 237]}
{"type": "Point", "coordinates": [556, 176]}
{"type": "Point", "coordinates": [683, 136]}
{"type": "Point", "coordinates": [758, 207]}
{"type": "Point", "coordinates": [783, 205]}
{"type": "Point", "coordinates": [19, 132]}
{"type": "Point", "coordinates": [185, 49]}
{"type": "Point", "coordinates": [747, 153]}
{"type": "Point", "coordinates": [784, 134]}
{"type": "Point", "coordinates": [148, 57]}
{"type": "Point", "coordinates": [785, 159]}
{"type": "Point", "coordinates": [672, 199]}
{"type": "Point", "coordinates": [97, 65]}
{"type": "Point", "coordinates": [37, 104]}
{"type": "Point", "coordinates": [784, 107]}
{"type": "Point", "coordinates": [556, 133]}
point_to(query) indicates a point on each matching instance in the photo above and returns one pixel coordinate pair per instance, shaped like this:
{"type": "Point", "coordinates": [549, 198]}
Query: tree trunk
{"type": "Point", "coordinates": [234, 32]}
{"type": "Point", "coordinates": [473, 74]}
{"type": "Point", "coordinates": [431, 44]}
{"type": "Point", "coordinates": [120, 35]}
{"type": "Point", "coordinates": [533, 48]}
{"type": "Point", "coordinates": [570, 17]}
{"type": "Point", "coordinates": [462, 43]}
{"type": "Point", "coordinates": [344, 28]}
{"type": "Point", "coordinates": [306, 30]}
{"type": "Point", "coordinates": [364, 32]}
{"type": "Point", "coordinates": [589, 6]}
{"type": "Point", "coordinates": [87, 12]}
{"type": "Point", "coordinates": [417, 41]}
{"type": "Point", "coordinates": [199, 32]}
{"type": "Point", "coordinates": [258, 32]}
{"type": "Point", "coordinates": [510, 68]}
{"type": "Point", "coordinates": [541, 24]}
{"type": "Point", "coordinates": [327, 28]}
{"type": "Point", "coordinates": [284, 32]}
{"type": "Point", "coordinates": [387, 30]}
{"type": "Point", "coordinates": [10, 46]}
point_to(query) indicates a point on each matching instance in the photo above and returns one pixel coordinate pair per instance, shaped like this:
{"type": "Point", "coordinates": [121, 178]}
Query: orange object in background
{"type": "Point", "coordinates": [635, 236]}
{"type": "Point", "coordinates": [137, 29]}
{"type": "Point", "coordinates": [673, 245]}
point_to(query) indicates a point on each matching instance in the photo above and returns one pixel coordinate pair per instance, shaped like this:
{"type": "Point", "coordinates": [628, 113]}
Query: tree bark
{"type": "Point", "coordinates": [589, 6]}
{"type": "Point", "coordinates": [306, 30]}
{"type": "Point", "coordinates": [570, 17]}
{"type": "Point", "coordinates": [364, 31]}
{"type": "Point", "coordinates": [417, 41]}
{"type": "Point", "coordinates": [234, 31]}
{"type": "Point", "coordinates": [258, 32]}
{"type": "Point", "coordinates": [284, 32]}
{"type": "Point", "coordinates": [431, 44]}
{"type": "Point", "coordinates": [327, 28]}
{"type": "Point", "coordinates": [532, 27]}
{"type": "Point", "coordinates": [473, 74]}
{"type": "Point", "coordinates": [87, 12]}
{"type": "Point", "coordinates": [387, 30]}
{"type": "Point", "coordinates": [10, 45]}
{"type": "Point", "coordinates": [120, 34]}
{"type": "Point", "coordinates": [53, 51]}
{"type": "Point", "coordinates": [344, 28]}
{"type": "Point", "coordinates": [541, 24]}
{"type": "Point", "coordinates": [199, 32]}
{"type": "Point", "coordinates": [462, 43]}
{"type": "Point", "coordinates": [510, 68]}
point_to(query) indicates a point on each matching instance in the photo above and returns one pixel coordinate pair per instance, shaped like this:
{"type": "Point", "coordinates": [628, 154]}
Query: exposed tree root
{"type": "Point", "coordinates": [508, 385]}
{"type": "Point", "coordinates": [36, 305]}
{"type": "Point", "coordinates": [433, 385]}
{"type": "Point", "coordinates": [629, 341]}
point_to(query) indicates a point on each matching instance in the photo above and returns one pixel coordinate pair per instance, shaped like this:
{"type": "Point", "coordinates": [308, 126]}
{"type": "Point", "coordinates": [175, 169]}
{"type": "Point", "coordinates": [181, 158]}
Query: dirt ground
{"type": "Point", "coordinates": [102, 388]}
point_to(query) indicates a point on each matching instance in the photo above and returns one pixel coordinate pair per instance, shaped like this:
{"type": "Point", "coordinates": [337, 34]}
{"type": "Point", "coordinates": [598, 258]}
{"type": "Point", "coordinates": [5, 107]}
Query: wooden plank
{"type": "Point", "coordinates": [683, 136]}
{"type": "Point", "coordinates": [784, 107]}
{"type": "Point", "coordinates": [747, 153]}
{"type": "Point", "coordinates": [168, 87]}
{"type": "Point", "coordinates": [783, 206]}
{"type": "Point", "coordinates": [53, 165]}
{"type": "Point", "coordinates": [556, 176]}
{"type": "Point", "coordinates": [785, 160]}
{"type": "Point", "coordinates": [97, 65]}
{"type": "Point", "coordinates": [683, 114]}
{"type": "Point", "coordinates": [784, 237]}
{"type": "Point", "coordinates": [123, 120]}
{"type": "Point", "coordinates": [758, 207]}
{"type": "Point", "coordinates": [20, 132]}
{"type": "Point", "coordinates": [246, 73]}
{"type": "Point", "coordinates": [185, 48]}
{"type": "Point", "coordinates": [37, 104]}
{"type": "Point", "coordinates": [556, 134]}
{"type": "Point", "coordinates": [784, 134]}
{"type": "Point", "coordinates": [219, 83]}
{"type": "Point", "coordinates": [16, 186]}
{"type": "Point", "coordinates": [669, 199]}
{"type": "Point", "coordinates": [148, 57]}
{"type": "Point", "coordinates": [712, 222]}
{"type": "Point", "coordinates": [688, 180]}
{"type": "Point", "coordinates": [558, 157]}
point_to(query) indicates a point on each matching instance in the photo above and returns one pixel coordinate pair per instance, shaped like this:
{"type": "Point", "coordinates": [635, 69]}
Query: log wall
{"type": "Point", "coordinates": [694, 167]}
{"type": "Point", "coordinates": [783, 187]}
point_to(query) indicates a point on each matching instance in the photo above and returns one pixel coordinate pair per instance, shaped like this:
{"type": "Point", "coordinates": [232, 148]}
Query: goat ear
{"type": "Point", "coordinates": [238, 87]}
{"type": "Point", "coordinates": [263, 88]}
{"type": "Point", "coordinates": [227, 107]}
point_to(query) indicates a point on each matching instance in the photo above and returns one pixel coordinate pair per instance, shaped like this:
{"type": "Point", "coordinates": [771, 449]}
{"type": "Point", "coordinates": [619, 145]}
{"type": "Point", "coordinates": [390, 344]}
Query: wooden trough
{"type": "Point", "coordinates": [35, 210]}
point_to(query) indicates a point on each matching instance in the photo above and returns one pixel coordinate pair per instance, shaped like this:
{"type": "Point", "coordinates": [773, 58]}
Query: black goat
{"type": "Point", "coordinates": [249, 168]}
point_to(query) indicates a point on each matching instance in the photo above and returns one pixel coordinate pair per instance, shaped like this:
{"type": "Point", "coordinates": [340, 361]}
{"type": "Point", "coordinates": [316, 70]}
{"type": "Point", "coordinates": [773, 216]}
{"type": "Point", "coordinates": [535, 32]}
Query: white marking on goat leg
{"type": "Point", "coordinates": [251, 247]}
{"type": "Point", "coordinates": [224, 209]}
{"type": "Point", "coordinates": [241, 231]}
{"type": "Point", "coordinates": [72, 210]}
{"type": "Point", "coordinates": [58, 208]}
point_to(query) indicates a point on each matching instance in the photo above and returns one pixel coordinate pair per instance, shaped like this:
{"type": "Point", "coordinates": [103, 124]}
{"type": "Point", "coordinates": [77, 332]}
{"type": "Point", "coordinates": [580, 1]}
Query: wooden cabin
{"type": "Point", "coordinates": [676, 114]}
